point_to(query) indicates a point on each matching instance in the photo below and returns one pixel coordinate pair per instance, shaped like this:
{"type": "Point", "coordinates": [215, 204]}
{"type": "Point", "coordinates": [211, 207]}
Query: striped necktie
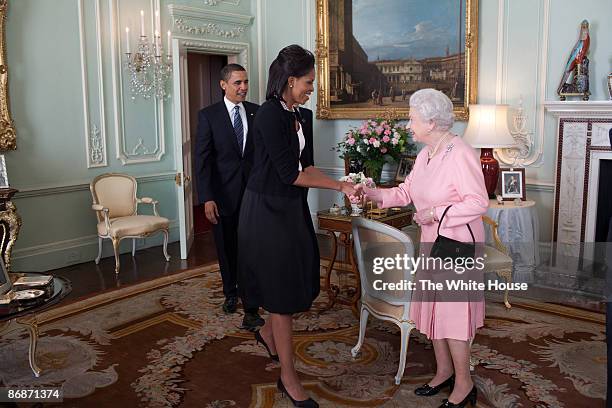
{"type": "Point", "coordinates": [238, 128]}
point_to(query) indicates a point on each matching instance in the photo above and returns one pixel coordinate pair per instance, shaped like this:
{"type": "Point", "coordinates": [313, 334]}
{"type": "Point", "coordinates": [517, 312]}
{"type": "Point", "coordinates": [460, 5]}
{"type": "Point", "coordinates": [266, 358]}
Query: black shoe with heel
{"type": "Point", "coordinates": [427, 390]}
{"type": "Point", "coordinates": [260, 340]}
{"type": "Point", "coordinates": [309, 403]}
{"type": "Point", "coordinates": [471, 398]}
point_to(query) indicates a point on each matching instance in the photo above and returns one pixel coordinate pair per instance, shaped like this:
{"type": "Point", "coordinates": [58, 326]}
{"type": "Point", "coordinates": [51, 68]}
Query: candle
{"type": "Point", "coordinates": [142, 31]}
{"type": "Point", "coordinates": [168, 52]}
{"type": "Point", "coordinates": [127, 40]}
{"type": "Point", "coordinates": [156, 19]}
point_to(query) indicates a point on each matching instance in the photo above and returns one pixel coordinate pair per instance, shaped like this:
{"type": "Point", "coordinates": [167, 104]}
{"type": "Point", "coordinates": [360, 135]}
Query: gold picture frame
{"type": "Point", "coordinates": [327, 101]}
{"type": "Point", "coordinates": [8, 136]}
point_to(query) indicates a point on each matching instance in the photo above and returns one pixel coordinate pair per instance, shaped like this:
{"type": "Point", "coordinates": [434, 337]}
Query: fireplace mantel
{"type": "Point", "coordinates": [582, 139]}
{"type": "Point", "coordinates": [579, 108]}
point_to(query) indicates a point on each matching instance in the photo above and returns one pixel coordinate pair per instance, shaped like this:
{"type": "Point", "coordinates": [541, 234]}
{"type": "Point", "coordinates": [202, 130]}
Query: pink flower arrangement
{"type": "Point", "coordinates": [374, 143]}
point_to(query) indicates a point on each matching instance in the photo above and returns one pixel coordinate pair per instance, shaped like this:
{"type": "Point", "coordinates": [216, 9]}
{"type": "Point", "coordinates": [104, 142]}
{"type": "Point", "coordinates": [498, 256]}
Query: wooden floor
{"type": "Point", "coordinates": [88, 278]}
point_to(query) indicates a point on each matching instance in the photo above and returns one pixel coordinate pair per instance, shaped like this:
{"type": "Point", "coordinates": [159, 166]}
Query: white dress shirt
{"type": "Point", "coordinates": [230, 110]}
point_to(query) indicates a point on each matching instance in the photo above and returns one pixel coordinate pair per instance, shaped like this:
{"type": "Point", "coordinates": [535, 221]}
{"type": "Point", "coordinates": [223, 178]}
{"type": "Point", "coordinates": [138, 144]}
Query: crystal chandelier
{"type": "Point", "coordinates": [148, 67]}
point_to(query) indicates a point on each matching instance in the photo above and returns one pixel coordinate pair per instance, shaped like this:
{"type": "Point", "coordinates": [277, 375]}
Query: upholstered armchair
{"type": "Point", "coordinates": [116, 207]}
{"type": "Point", "coordinates": [373, 239]}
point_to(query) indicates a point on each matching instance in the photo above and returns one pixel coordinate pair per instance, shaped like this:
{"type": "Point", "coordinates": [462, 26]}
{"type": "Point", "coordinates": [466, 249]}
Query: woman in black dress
{"type": "Point", "coordinates": [278, 256]}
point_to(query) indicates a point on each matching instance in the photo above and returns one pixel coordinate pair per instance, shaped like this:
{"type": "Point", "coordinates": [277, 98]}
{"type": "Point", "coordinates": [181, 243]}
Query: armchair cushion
{"type": "Point", "coordinates": [135, 225]}
{"type": "Point", "coordinates": [383, 308]}
{"type": "Point", "coordinates": [496, 260]}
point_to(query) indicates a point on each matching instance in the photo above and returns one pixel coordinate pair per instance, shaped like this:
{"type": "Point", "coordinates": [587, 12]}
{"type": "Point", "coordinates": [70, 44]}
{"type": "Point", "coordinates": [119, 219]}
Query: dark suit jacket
{"type": "Point", "coordinates": [222, 173]}
{"type": "Point", "coordinates": [278, 150]}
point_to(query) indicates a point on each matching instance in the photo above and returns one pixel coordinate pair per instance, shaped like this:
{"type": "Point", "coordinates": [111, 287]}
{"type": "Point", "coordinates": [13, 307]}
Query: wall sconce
{"type": "Point", "coordinates": [148, 68]}
{"type": "Point", "coordinates": [516, 155]}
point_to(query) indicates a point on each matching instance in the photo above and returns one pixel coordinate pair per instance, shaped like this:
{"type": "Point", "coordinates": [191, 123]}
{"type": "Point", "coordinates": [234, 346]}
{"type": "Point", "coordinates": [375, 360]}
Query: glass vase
{"type": "Point", "coordinates": [374, 171]}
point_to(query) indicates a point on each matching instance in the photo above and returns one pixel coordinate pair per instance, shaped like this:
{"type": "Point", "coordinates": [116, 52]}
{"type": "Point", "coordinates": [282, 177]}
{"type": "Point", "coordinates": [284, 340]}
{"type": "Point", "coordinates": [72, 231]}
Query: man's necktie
{"type": "Point", "coordinates": [238, 128]}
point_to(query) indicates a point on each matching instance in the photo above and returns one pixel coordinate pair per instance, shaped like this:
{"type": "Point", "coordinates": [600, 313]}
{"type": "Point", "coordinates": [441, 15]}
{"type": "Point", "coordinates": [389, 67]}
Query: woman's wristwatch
{"type": "Point", "coordinates": [432, 212]}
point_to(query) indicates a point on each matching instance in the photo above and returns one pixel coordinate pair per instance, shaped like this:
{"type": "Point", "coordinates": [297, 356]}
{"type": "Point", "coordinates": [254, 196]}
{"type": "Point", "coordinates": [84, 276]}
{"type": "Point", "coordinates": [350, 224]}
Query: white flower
{"type": "Point", "coordinates": [376, 144]}
{"type": "Point", "coordinates": [394, 141]}
{"type": "Point", "coordinates": [365, 141]}
{"type": "Point", "coordinates": [358, 178]}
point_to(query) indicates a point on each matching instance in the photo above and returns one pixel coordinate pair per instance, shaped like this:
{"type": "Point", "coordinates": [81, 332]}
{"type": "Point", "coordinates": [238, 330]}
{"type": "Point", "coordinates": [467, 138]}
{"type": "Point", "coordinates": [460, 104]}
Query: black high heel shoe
{"type": "Point", "coordinates": [260, 339]}
{"type": "Point", "coordinates": [309, 403]}
{"type": "Point", "coordinates": [427, 390]}
{"type": "Point", "coordinates": [471, 398]}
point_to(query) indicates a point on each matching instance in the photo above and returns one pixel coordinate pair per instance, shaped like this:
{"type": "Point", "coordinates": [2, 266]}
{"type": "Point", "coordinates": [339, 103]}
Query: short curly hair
{"type": "Point", "coordinates": [433, 105]}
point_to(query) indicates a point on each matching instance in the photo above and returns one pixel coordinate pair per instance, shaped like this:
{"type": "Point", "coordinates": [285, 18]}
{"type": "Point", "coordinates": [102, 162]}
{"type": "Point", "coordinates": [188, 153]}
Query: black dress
{"type": "Point", "coordinates": [278, 256]}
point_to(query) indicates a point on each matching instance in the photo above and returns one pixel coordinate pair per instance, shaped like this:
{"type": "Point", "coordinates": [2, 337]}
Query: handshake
{"type": "Point", "coordinates": [359, 192]}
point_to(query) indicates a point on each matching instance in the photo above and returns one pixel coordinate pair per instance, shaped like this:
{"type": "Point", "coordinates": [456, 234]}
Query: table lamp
{"type": "Point", "coordinates": [488, 129]}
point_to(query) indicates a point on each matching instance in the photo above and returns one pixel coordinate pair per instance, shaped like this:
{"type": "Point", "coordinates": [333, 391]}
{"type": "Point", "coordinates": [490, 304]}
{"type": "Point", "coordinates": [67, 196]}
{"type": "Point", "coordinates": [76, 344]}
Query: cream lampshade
{"type": "Point", "coordinates": [488, 129]}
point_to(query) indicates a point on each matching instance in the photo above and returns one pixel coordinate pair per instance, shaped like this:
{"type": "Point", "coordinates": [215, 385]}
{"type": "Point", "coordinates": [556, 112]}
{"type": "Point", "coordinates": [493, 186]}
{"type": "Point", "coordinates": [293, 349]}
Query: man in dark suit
{"type": "Point", "coordinates": [224, 158]}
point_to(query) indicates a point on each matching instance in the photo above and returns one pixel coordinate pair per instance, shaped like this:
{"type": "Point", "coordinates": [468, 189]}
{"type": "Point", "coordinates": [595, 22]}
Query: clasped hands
{"type": "Point", "coordinates": [361, 192]}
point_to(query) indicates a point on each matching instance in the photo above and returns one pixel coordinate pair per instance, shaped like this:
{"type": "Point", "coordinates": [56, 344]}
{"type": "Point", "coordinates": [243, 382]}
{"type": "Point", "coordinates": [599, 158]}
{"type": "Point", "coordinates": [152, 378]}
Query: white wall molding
{"type": "Point", "coordinates": [38, 191]}
{"type": "Point", "coordinates": [541, 186]}
{"type": "Point", "coordinates": [579, 108]}
{"type": "Point", "coordinates": [207, 22]}
{"type": "Point", "coordinates": [205, 15]}
{"type": "Point", "coordinates": [217, 2]}
{"type": "Point", "coordinates": [241, 50]}
{"type": "Point", "coordinates": [262, 49]}
{"type": "Point", "coordinates": [129, 151]}
{"type": "Point", "coordinates": [536, 150]}
{"type": "Point", "coordinates": [59, 254]}
{"type": "Point", "coordinates": [95, 133]}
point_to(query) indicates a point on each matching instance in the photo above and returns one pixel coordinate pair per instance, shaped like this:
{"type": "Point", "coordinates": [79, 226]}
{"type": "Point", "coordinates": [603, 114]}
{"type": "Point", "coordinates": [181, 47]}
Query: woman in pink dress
{"type": "Point", "coordinates": [446, 172]}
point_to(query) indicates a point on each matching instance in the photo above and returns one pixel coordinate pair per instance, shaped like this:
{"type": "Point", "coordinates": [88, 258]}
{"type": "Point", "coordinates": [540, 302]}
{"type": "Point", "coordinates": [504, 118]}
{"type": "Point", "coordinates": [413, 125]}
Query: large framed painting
{"type": "Point", "coordinates": [7, 128]}
{"type": "Point", "coordinates": [372, 55]}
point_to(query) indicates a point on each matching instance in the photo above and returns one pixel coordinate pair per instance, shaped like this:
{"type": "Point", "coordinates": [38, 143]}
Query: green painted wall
{"type": "Point", "coordinates": [513, 64]}
{"type": "Point", "coordinates": [46, 41]}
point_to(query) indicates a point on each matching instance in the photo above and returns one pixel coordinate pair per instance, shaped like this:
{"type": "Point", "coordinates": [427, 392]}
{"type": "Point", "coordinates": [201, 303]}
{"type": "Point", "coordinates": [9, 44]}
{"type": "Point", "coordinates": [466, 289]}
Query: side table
{"type": "Point", "coordinates": [16, 316]}
{"type": "Point", "coordinates": [518, 228]}
{"type": "Point", "coordinates": [341, 224]}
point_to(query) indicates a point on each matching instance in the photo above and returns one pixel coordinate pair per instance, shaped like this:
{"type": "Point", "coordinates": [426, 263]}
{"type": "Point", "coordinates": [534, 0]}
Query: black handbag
{"type": "Point", "coordinates": [444, 247]}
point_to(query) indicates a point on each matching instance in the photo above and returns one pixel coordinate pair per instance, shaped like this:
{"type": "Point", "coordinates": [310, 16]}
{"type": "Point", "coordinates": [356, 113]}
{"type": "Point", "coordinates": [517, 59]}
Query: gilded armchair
{"type": "Point", "coordinates": [497, 259]}
{"type": "Point", "coordinates": [116, 207]}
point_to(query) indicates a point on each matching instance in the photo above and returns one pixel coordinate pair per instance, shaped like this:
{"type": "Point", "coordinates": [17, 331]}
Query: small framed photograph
{"type": "Point", "coordinates": [3, 176]}
{"type": "Point", "coordinates": [610, 85]}
{"type": "Point", "coordinates": [404, 168]}
{"type": "Point", "coordinates": [512, 184]}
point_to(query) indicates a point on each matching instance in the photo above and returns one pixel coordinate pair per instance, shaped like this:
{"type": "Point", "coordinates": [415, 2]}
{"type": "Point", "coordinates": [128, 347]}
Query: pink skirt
{"type": "Point", "coordinates": [448, 320]}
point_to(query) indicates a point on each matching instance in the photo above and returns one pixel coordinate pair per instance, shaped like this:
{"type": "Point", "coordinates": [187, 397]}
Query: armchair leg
{"type": "Point", "coordinates": [166, 246]}
{"type": "Point", "coordinates": [406, 328]}
{"type": "Point", "coordinates": [99, 250]}
{"type": "Point", "coordinates": [507, 275]}
{"type": "Point", "coordinates": [133, 247]}
{"type": "Point", "coordinates": [116, 250]}
{"type": "Point", "coordinates": [363, 322]}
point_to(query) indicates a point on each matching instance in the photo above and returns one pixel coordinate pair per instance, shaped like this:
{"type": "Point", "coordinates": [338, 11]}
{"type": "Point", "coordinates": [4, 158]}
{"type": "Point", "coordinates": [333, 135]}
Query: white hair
{"type": "Point", "coordinates": [433, 105]}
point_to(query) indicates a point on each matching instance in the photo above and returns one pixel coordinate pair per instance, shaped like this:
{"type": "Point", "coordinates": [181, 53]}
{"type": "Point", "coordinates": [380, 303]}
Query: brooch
{"type": "Point", "coordinates": [448, 148]}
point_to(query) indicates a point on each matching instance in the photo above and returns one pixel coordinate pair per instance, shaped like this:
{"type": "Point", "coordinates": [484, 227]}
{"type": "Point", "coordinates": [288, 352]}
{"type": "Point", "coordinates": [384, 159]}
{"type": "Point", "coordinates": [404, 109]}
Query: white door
{"type": "Point", "coordinates": [183, 149]}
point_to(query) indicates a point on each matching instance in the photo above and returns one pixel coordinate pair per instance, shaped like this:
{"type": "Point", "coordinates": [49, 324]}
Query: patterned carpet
{"type": "Point", "coordinates": [168, 344]}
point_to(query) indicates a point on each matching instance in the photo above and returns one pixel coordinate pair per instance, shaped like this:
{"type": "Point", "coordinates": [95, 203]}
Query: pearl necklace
{"type": "Point", "coordinates": [431, 153]}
